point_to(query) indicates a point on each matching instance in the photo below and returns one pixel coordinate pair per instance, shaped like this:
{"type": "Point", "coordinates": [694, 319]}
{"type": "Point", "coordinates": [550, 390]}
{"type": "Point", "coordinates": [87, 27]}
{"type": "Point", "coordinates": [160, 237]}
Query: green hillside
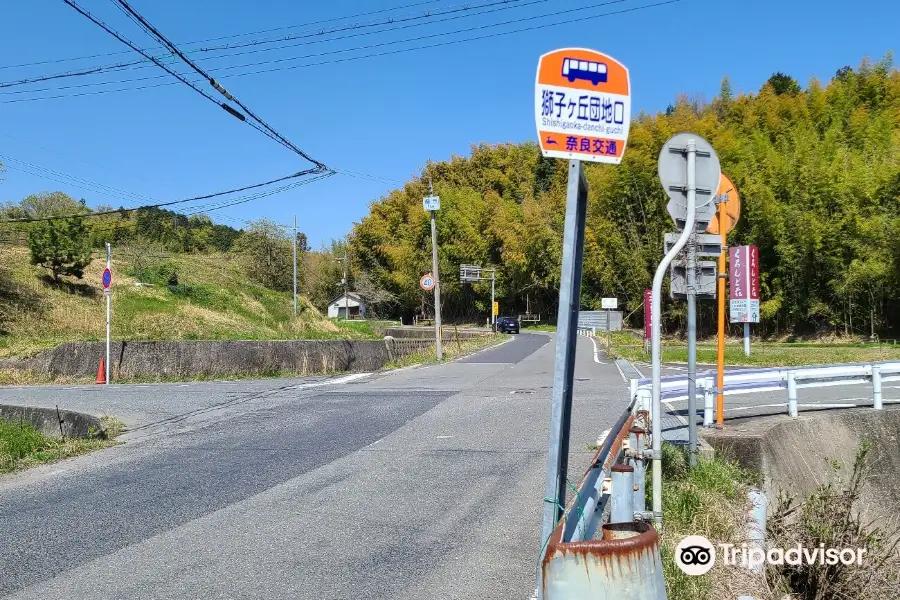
{"type": "Point", "coordinates": [213, 299]}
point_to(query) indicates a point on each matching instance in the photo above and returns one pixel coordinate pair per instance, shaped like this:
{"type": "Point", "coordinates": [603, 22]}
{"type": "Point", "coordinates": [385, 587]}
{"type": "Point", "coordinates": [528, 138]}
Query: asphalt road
{"type": "Point", "coordinates": [420, 483]}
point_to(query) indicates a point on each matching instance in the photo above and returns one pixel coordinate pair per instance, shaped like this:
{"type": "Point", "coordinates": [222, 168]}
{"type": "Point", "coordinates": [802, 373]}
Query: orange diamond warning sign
{"type": "Point", "coordinates": [582, 105]}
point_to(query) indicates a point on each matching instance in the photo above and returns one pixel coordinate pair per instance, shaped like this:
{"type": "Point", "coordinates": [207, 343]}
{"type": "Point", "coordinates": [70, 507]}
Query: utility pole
{"type": "Point", "coordinates": [437, 280]}
{"type": "Point", "coordinates": [346, 297]}
{"type": "Point", "coordinates": [108, 299]}
{"type": "Point", "coordinates": [493, 316]}
{"type": "Point", "coordinates": [295, 265]}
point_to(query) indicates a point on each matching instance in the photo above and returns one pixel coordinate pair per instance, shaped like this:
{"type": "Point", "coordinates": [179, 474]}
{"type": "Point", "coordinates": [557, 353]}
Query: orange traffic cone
{"type": "Point", "coordinates": [101, 371]}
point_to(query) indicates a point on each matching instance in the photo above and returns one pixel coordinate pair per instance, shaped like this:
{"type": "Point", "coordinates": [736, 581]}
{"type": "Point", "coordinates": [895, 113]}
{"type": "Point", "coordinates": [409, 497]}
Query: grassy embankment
{"type": "Point", "coordinates": [213, 301]}
{"type": "Point", "coordinates": [762, 354]}
{"type": "Point", "coordinates": [22, 446]}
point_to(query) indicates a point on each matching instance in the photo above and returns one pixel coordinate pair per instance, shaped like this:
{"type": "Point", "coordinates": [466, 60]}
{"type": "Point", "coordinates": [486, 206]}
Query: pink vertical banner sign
{"type": "Point", "coordinates": [648, 316]}
{"type": "Point", "coordinates": [744, 284]}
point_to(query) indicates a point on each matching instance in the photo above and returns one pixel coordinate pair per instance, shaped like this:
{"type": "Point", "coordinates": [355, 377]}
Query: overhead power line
{"type": "Point", "coordinates": [431, 16]}
{"type": "Point", "coordinates": [313, 171]}
{"type": "Point", "coordinates": [262, 125]}
{"type": "Point", "coordinates": [158, 35]}
{"type": "Point", "coordinates": [365, 56]}
{"type": "Point", "coordinates": [224, 37]}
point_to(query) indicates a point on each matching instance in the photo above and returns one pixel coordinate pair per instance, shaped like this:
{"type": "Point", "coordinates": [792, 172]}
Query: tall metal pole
{"type": "Point", "coordinates": [720, 349]}
{"type": "Point", "coordinates": [493, 316]}
{"type": "Point", "coordinates": [108, 300]}
{"type": "Point", "coordinates": [692, 351]}
{"type": "Point", "coordinates": [437, 282]}
{"type": "Point", "coordinates": [346, 282]}
{"type": "Point", "coordinates": [295, 265]}
{"type": "Point", "coordinates": [656, 293]}
{"type": "Point", "coordinates": [746, 339]}
{"type": "Point", "coordinates": [566, 336]}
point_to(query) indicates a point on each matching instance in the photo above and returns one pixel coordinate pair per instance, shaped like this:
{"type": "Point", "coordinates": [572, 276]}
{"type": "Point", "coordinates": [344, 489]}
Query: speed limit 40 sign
{"type": "Point", "coordinates": [427, 282]}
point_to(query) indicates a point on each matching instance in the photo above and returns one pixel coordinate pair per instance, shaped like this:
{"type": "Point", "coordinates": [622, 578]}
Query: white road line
{"type": "Point", "coordinates": [338, 381]}
{"type": "Point", "coordinates": [675, 414]}
{"type": "Point", "coordinates": [596, 359]}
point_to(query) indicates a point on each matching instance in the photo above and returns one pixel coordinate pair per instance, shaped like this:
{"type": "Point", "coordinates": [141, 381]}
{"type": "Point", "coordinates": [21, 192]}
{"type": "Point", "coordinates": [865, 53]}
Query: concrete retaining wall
{"type": "Point", "coordinates": [447, 333]}
{"type": "Point", "coordinates": [211, 358]}
{"type": "Point", "coordinates": [47, 421]}
{"type": "Point", "coordinates": [795, 455]}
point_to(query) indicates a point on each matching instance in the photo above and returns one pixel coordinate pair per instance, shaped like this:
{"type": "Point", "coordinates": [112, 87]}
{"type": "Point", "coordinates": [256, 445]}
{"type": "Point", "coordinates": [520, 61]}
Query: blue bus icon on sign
{"type": "Point", "coordinates": [573, 68]}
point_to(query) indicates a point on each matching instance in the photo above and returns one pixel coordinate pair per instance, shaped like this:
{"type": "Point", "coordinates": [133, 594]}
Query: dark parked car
{"type": "Point", "coordinates": [507, 325]}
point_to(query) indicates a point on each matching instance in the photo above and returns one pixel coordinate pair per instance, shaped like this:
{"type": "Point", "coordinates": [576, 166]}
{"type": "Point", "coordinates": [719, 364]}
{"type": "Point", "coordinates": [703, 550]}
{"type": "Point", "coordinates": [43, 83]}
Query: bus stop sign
{"type": "Point", "coordinates": [582, 105]}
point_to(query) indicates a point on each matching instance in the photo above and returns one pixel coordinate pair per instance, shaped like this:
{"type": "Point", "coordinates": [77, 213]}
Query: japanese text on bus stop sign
{"type": "Point", "coordinates": [582, 105]}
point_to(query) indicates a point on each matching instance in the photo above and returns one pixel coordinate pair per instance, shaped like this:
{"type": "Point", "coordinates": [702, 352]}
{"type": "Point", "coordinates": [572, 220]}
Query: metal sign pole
{"type": "Point", "coordinates": [746, 339]}
{"type": "Point", "coordinates": [655, 312]}
{"type": "Point", "coordinates": [493, 316]}
{"type": "Point", "coordinates": [295, 265]}
{"type": "Point", "coordinates": [692, 349]}
{"type": "Point", "coordinates": [108, 299]}
{"type": "Point", "coordinates": [564, 368]}
{"type": "Point", "coordinates": [720, 342]}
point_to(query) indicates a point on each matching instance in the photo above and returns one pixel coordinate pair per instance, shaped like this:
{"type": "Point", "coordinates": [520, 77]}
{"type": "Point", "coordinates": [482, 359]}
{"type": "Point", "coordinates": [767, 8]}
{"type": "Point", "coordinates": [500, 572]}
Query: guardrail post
{"type": "Point", "coordinates": [636, 437]}
{"type": "Point", "coordinates": [622, 494]}
{"type": "Point", "coordinates": [646, 399]}
{"type": "Point", "coordinates": [876, 386]}
{"type": "Point", "coordinates": [709, 397]}
{"type": "Point", "coordinates": [792, 393]}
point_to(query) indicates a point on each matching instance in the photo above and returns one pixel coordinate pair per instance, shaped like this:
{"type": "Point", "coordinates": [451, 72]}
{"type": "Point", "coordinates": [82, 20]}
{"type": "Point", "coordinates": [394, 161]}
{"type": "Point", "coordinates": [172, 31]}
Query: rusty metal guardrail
{"type": "Point", "coordinates": [623, 562]}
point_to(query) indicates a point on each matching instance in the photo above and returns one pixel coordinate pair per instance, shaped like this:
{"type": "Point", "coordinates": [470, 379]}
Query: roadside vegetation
{"type": "Point", "coordinates": [709, 500]}
{"type": "Point", "coordinates": [22, 446]}
{"type": "Point", "coordinates": [831, 516]}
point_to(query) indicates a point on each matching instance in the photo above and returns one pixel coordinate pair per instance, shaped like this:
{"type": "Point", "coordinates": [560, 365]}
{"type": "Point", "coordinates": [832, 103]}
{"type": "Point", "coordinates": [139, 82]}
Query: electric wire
{"type": "Point", "coordinates": [320, 167]}
{"type": "Point", "coordinates": [214, 39]}
{"type": "Point", "coordinates": [170, 203]}
{"type": "Point", "coordinates": [141, 64]}
{"type": "Point", "coordinates": [360, 57]}
{"type": "Point", "coordinates": [504, 5]}
{"type": "Point", "coordinates": [160, 37]}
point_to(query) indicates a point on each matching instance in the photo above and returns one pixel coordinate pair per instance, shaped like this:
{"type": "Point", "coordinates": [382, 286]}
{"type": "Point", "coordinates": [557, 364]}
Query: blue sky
{"type": "Point", "coordinates": [382, 117]}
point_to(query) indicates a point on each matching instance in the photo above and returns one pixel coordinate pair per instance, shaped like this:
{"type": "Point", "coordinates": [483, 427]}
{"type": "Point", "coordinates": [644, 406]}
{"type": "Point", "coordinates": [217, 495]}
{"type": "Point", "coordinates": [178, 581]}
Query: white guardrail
{"type": "Point", "coordinates": [791, 379]}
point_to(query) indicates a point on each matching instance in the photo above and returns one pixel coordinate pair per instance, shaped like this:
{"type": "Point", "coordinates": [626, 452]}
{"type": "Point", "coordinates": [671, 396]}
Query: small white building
{"type": "Point", "coordinates": [337, 308]}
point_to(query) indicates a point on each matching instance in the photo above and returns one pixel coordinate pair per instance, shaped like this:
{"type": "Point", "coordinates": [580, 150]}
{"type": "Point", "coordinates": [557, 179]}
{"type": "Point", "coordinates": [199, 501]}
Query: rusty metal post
{"type": "Point", "coordinates": [876, 386]}
{"type": "Point", "coordinates": [622, 494]}
{"type": "Point", "coordinates": [624, 565]}
{"type": "Point", "coordinates": [792, 393]}
{"type": "Point", "coordinates": [636, 437]}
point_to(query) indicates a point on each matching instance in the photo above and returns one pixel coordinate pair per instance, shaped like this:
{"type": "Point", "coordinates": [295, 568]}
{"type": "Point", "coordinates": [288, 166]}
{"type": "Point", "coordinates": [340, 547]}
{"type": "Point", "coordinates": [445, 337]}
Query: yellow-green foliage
{"type": "Point", "coordinates": [818, 170]}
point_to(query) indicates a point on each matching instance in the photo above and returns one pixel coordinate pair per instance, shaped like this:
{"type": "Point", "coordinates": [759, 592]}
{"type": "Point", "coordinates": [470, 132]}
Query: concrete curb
{"type": "Point", "coordinates": [55, 423]}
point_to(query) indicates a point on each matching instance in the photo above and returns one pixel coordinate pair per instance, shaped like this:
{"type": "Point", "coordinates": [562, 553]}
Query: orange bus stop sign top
{"type": "Point", "coordinates": [732, 206]}
{"type": "Point", "coordinates": [582, 105]}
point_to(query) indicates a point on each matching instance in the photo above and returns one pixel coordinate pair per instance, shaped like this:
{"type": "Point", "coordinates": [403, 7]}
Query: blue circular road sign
{"type": "Point", "coordinates": [107, 278]}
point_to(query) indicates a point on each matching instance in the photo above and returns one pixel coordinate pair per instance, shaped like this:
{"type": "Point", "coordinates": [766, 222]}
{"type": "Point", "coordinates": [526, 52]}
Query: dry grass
{"type": "Point", "coordinates": [830, 517]}
{"type": "Point", "coordinates": [214, 301]}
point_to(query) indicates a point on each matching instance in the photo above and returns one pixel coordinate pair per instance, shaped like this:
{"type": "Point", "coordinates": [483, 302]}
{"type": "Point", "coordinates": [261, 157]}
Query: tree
{"type": "Point", "coordinates": [62, 245]}
{"type": "Point", "coordinates": [783, 84]}
{"type": "Point", "coordinates": [267, 254]}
